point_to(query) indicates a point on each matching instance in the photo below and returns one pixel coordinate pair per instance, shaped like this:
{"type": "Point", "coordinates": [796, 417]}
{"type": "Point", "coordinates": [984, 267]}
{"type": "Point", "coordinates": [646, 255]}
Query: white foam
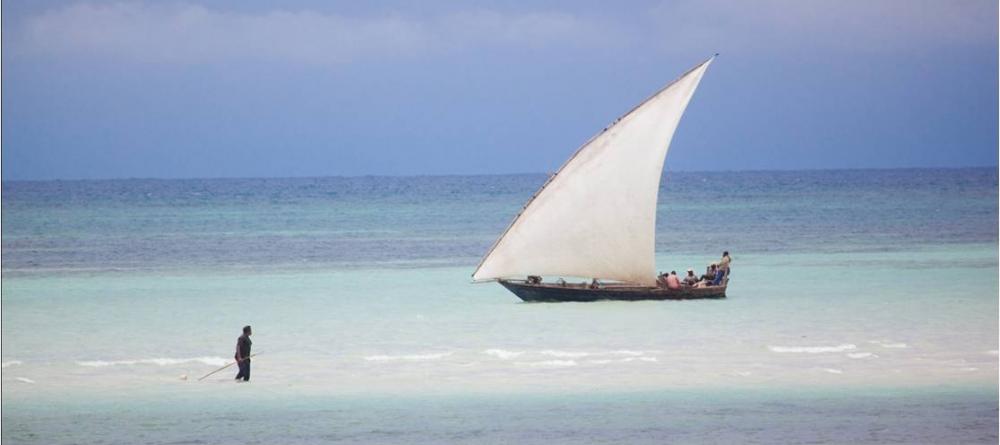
{"type": "Point", "coordinates": [25, 380]}
{"type": "Point", "coordinates": [813, 349]}
{"type": "Point", "coordinates": [564, 354]}
{"type": "Point", "coordinates": [502, 354]}
{"type": "Point", "coordinates": [970, 369]}
{"type": "Point", "coordinates": [164, 361]}
{"type": "Point", "coordinates": [833, 371]}
{"type": "Point", "coordinates": [622, 360]}
{"type": "Point", "coordinates": [889, 344]}
{"type": "Point", "coordinates": [11, 363]}
{"type": "Point", "coordinates": [991, 352]}
{"type": "Point", "coordinates": [632, 353]}
{"type": "Point", "coordinates": [862, 355]}
{"type": "Point", "coordinates": [408, 357]}
{"type": "Point", "coordinates": [549, 364]}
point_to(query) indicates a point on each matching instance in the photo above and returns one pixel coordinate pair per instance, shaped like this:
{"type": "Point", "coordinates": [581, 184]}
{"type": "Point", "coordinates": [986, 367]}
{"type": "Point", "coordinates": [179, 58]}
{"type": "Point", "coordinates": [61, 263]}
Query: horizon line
{"type": "Point", "coordinates": [444, 175]}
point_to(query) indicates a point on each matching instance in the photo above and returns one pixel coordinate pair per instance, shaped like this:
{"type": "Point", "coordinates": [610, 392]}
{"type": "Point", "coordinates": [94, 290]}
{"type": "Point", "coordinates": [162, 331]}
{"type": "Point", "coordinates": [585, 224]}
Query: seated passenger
{"type": "Point", "coordinates": [672, 281]}
{"type": "Point", "coordinates": [690, 279]}
{"type": "Point", "coordinates": [595, 284]}
{"type": "Point", "coordinates": [710, 273]}
{"type": "Point", "coordinates": [661, 280]}
{"type": "Point", "coordinates": [719, 276]}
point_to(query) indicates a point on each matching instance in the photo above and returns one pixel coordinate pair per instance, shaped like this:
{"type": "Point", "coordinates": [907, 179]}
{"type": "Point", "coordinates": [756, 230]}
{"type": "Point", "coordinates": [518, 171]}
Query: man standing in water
{"type": "Point", "coordinates": [243, 354]}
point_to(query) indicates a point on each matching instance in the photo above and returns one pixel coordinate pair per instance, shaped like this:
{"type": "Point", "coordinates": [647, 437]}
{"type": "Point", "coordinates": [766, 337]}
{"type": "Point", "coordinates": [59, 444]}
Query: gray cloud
{"type": "Point", "coordinates": [191, 33]}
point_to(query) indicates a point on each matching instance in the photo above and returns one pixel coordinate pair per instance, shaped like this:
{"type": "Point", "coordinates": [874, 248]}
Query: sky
{"type": "Point", "coordinates": [163, 89]}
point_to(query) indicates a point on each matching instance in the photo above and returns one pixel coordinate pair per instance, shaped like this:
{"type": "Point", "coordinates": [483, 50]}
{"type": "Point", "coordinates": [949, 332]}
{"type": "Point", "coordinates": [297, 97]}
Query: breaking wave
{"type": "Point", "coordinates": [549, 364]}
{"type": "Point", "coordinates": [408, 357]}
{"type": "Point", "coordinates": [624, 360]}
{"type": "Point", "coordinates": [503, 354]}
{"type": "Point", "coordinates": [24, 380]}
{"type": "Point", "coordinates": [889, 344]}
{"type": "Point", "coordinates": [564, 354]}
{"type": "Point", "coordinates": [11, 363]}
{"type": "Point", "coordinates": [813, 349]}
{"type": "Point", "coordinates": [506, 355]}
{"type": "Point", "coordinates": [862, 355]}
{"type": "Point", "coordinates": [212, 361]}
{"type": "Point", "coordinates": [632, 353]}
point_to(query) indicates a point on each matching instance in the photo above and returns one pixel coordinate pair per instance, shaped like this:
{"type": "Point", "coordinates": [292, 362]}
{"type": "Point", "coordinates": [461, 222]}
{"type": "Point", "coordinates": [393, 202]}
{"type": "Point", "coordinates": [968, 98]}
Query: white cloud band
{"type": "Point", "coordinates": [193, 33]}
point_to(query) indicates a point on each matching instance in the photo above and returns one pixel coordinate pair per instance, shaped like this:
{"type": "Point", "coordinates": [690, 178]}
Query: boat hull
{"type": "Point", "coordinates": [555, 293]}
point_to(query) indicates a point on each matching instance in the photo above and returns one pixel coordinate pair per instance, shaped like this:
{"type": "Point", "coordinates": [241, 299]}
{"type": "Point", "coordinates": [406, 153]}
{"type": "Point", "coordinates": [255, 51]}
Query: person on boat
{"type": "Point", "coordinates": [534, 279]}
{"type": "Point", "coordinates": [710, 273]}
{"type": "Point", "coordinates": [243, 355]}
{"type": "Point", "coordinates": [661, 279]}
{"type": "Point", "coordinates": [718, 279]}
{"type": "Point", "coordinates": [690, 279]}
{"type": "Point", "coordinates": [724, 263]}
{"type": "Point", "coordinates": [672, 281]}
{"type": "Point", "coordinates": [595, 284]}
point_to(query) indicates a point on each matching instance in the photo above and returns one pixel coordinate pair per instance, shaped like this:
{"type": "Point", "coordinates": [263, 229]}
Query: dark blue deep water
{"type": "Point", "coordinates": [452, 220]}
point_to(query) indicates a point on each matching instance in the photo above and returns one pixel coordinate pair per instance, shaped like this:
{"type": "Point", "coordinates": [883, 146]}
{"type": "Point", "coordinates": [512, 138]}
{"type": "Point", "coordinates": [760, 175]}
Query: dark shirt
{"type": "Point", "coordinates": [243, 346]}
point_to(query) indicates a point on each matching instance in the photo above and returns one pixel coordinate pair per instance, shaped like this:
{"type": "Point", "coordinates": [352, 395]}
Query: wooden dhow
{"type": "Point", "coordinates": [595, 217]}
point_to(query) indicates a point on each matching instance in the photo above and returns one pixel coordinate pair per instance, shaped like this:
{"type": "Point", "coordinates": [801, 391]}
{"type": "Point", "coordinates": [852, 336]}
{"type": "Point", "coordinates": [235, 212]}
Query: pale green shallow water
{"type": "Point", "coordinates": [840, 326]}
{"type": "Point", "coordinates": [914, 317]}
{"type": "Point", "coordinates": [420, 359]}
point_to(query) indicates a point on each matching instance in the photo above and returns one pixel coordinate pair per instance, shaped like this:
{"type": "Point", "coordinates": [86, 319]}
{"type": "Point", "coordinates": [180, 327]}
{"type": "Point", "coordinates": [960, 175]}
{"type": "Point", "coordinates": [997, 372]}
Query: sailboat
{"type": "Point", "coordinates": [595, 217]}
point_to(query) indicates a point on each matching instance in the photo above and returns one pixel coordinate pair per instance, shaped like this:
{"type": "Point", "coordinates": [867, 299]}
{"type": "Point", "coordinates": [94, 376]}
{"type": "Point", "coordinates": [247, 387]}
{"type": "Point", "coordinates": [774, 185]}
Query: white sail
{"type": "Point", "coordinates": [596, 217]}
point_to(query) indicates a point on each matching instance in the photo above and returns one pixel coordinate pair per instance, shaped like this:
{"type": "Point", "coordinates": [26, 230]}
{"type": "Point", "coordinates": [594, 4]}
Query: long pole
{"type": "Point", "coordinates": [220, 369]}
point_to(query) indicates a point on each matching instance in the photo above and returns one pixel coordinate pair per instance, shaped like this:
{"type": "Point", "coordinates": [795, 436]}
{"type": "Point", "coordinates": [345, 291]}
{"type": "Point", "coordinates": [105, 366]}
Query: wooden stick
{"type": "Point", "coordinates": [220, 369]}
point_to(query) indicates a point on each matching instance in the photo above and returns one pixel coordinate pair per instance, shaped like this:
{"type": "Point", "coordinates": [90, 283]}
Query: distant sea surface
{"type": "Point", "coordinates": [862, 309]}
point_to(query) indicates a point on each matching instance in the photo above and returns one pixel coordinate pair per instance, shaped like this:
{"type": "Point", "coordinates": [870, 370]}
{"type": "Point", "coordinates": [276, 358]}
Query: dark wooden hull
{"type": "Point", "coordinates": [556, 293]}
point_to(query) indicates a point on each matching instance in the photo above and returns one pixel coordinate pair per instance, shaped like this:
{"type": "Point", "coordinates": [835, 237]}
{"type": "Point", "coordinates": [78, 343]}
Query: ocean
{"type": "Point", "coordinates": [862, 309]}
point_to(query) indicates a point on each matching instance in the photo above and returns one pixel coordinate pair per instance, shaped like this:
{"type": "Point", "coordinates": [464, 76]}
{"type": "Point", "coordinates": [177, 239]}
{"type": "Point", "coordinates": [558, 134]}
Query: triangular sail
{"type": "Point", "coordinates": [596, 217]}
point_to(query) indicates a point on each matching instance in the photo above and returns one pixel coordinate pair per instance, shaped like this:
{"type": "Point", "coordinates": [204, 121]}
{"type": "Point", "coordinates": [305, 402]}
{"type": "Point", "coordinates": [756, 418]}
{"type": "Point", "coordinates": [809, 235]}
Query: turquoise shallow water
{"type": "Point", "coordinates": [863, 308]}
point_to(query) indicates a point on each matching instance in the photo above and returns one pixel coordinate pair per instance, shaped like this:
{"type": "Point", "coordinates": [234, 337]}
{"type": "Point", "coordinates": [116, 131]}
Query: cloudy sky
{"type": "Point", "coordinates": [315, 88]}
